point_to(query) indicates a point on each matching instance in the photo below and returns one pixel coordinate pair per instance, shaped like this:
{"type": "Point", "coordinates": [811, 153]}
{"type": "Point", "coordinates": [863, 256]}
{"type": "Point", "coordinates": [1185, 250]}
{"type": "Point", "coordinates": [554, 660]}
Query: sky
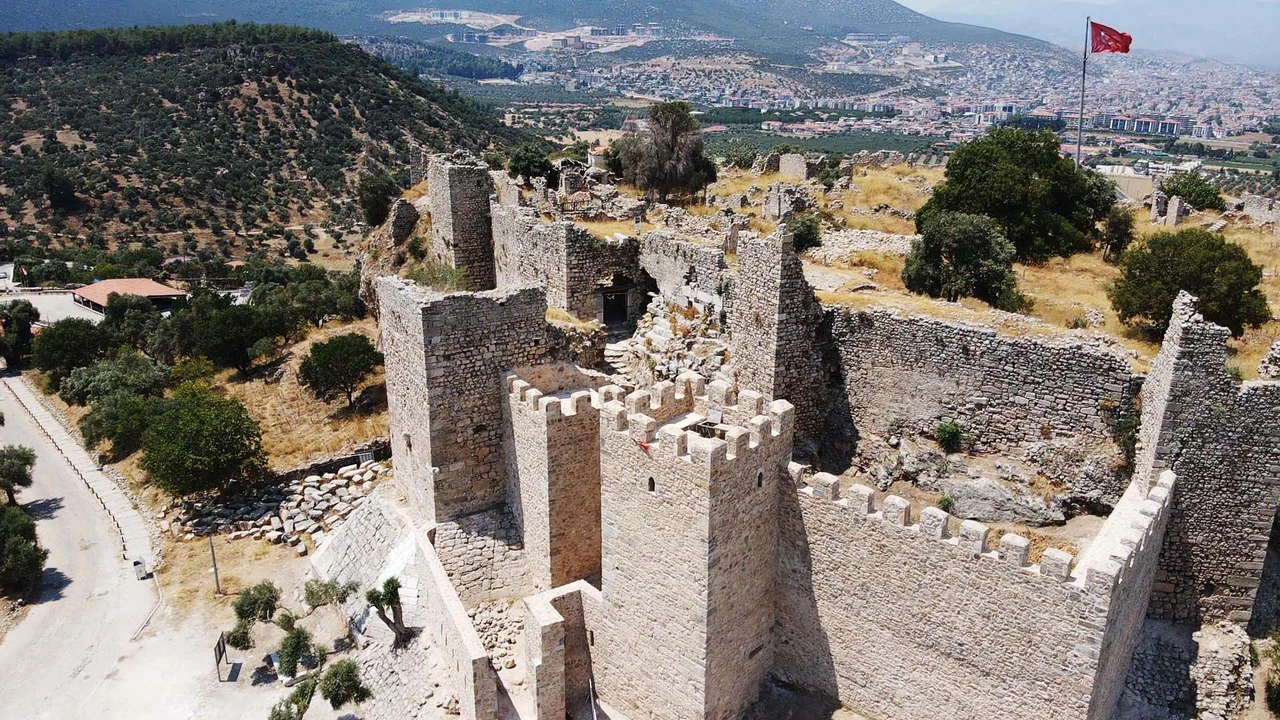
{"type": "Point", "coordinates": [1232, 30]}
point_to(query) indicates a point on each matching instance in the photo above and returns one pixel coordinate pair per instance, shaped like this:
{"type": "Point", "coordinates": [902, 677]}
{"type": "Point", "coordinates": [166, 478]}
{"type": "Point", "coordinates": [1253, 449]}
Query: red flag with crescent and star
{"type": "Point", "coordinates": [1109, 40]}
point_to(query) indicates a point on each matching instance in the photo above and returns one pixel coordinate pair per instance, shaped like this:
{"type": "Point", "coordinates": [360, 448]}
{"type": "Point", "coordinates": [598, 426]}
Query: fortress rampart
{"type": "Point", "coordinates": [927, 617]}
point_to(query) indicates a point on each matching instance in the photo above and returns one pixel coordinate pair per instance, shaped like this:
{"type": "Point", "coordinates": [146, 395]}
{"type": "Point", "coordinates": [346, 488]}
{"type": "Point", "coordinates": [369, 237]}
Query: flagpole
{"type": "Point", "coordinates": [1084, 74]}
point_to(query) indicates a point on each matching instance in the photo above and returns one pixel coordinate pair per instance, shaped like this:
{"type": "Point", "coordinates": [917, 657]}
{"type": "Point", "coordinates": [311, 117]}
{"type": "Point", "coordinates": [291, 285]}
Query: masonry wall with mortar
{"type": "Point", "coordinates": [462, 235]}
{"type": "Point", "coordinates": [465, 658]}
{"type": "Point", "coordinates": [896, 618]}
{"type": "Point", "coordinates": [773, 328]}
{"type": "Point", "coordinates": [553, 481]}
{"type": "Point", "coordinates": [558, 645]}
{"type": "Point", "coordinates": [568, 260]}
{"type": "Point", "coordinates": [915, 372]}
{"type": "Point", "coordinates": [685, 271]}
{"type": "Point", "coordinates": [446, 356]}
{"type": "Point", "coordinates": [688, 523]}
{"type": "Point", "coordinates": [1223, 441]}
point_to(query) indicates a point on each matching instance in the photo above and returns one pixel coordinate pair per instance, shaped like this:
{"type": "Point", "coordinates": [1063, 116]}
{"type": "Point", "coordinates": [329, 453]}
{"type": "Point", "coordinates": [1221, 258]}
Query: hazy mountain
{"type": "Point", "coordinates": [775, 25]}
{"type": "Point", "coordinates": [1236, 30]}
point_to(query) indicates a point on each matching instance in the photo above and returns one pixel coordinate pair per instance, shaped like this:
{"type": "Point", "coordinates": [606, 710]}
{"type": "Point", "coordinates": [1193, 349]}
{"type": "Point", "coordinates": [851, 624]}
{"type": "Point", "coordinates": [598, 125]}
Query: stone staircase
{"type": "Point", "coordinates": [616, 356]}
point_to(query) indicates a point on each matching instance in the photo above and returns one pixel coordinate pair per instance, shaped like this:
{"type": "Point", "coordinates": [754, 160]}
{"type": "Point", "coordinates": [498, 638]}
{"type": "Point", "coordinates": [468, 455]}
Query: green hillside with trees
{"type": "Point", "coordinates": [116, 134]}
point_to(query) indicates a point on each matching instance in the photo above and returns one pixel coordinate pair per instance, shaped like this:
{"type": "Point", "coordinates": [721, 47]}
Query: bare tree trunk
{"type": "Point", "coordinates": [397, 626]}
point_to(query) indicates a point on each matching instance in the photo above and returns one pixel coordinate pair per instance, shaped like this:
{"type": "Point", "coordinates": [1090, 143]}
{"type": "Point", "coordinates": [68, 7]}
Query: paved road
{"type": "Point", "coordinates": [58, 659]}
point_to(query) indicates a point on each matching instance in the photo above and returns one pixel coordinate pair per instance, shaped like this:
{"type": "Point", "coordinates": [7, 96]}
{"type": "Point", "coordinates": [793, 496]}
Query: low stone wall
{"type": "Point", "coordinates": [465, 658]}
{"type": "Point", "coordinates": [895, 617]}
{"type": "Point", "coordinates": [559, 636]}
{"type": "Point", "coordinates": [839, 245]}
{"type": "Point", "coordinates": [914, 372]}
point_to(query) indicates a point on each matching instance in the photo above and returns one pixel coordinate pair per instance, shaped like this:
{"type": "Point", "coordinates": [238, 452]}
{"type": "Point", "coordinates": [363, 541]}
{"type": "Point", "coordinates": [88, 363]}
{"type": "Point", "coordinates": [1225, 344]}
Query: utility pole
{"type": "Point", "coordinates": [217, 584]}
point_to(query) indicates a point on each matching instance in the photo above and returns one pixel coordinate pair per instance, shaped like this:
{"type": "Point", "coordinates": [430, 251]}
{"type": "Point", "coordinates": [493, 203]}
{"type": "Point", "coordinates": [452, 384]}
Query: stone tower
{"type": "Point", "coordinates": [458, 191]}
{"type": "Point", "coordinates": [690, 530]}
{"type": "Point", "coordinates": [773, 326]}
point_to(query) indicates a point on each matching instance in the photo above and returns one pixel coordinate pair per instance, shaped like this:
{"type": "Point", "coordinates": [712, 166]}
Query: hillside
{"type": "Point", "coordinates": [772, 26]}
{"type": "Point", "coordinates": [209, 128]}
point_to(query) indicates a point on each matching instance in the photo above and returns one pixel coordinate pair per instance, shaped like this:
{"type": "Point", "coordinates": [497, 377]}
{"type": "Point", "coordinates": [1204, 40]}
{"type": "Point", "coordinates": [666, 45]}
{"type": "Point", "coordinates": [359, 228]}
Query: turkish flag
{"type": "Point", "coordinates": [1108, 40]}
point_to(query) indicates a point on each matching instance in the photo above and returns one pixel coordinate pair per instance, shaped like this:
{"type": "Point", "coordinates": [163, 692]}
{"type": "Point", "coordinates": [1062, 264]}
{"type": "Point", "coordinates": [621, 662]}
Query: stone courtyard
{"type": "Point", "coordinates": [737, 493]}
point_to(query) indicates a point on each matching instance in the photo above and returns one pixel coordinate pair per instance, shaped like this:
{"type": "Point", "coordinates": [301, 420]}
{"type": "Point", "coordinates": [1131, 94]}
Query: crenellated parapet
{"type": "Point", "coordinates": [895, 564]}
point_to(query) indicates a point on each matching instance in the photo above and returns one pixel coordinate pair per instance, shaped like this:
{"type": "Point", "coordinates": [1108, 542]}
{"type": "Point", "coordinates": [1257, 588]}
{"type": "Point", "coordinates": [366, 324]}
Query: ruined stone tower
{"type": "Point", "coordinates": [446, 357]}
{"type": "Point", "coordinates": [689, 515]}
{"type": "Point", "coordinates": [774, 325]}
{"type": "Point", "coordinates": [458, 192]}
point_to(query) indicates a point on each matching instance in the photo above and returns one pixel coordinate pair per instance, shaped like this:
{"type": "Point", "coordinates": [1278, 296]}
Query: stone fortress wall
{"type": "Point", "coordinates": [722, 568]}
{"type": "Point", "coordinates": [912, 372]}
{"type": "Point", "coordinates": [447, 352]}
{"type": "Point", "coordinates": [1222, 438]}
{"type": "Point", "coordinates": [553, 476]}
{"type": "Point", "coordinates": [927, 617]}
{"type": "Point", "coordinates": [689, 527]}
{"type": "Point", "coordinates": [458, 191]}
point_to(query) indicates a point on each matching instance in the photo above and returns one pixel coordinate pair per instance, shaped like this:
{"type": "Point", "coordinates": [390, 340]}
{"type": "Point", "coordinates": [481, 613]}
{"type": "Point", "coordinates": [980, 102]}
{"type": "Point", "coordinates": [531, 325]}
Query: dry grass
{"type": "Point", "coordinates": [416, 192]}
{"type": "Point", "coordinates": [737, 182]}
{"type": "Point", "coordinates": [564, 317]}
{"type": "Point", "coordinates": [1064, 289]}
{"type": "Point", "coordinates": [187, 575]}
{"type": "Point", "coordinates": [606, 229]}
{"type": "Point", "coordinates": [297, 428]}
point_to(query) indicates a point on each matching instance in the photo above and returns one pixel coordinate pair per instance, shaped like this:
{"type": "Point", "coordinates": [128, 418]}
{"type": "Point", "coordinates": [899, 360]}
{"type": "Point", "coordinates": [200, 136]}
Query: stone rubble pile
{"type": "Point", "coordinates": [312, 506]}
{"type": "Point", "coordinates": [668, 341]}
{"type": "Point", "coordinates": [838, 245]}
{"type": "Point", "coordinates": [499, 625]}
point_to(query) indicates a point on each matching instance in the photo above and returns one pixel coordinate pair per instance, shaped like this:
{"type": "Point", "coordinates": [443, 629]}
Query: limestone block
{"type": "Point", "coordinates": [1056, 564]}
{"type": "Point", "coordinates": [897, 510]}
{"type": "Point", "coordinates": [973, 536]}
{"type": "Point", "coordinates": [933, 522]}
{"type": "Point", "coordinates": [826, 486]}
{"type": "Point", "coordinates": [1014, 549]}
{"type": "Point", "coordinates": [860, 499]}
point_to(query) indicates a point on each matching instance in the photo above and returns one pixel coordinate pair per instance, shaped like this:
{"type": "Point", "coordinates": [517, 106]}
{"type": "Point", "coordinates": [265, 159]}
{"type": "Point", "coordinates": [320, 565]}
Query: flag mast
{"type": "Point", "coordinates": [1084, 74]}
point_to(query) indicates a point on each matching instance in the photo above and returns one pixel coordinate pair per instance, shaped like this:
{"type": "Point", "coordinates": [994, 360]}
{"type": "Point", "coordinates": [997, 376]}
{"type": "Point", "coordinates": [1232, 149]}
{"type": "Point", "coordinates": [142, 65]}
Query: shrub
{"type": "Point", "coordinates": [950, 436]}
{"type": "Point", "coordinates": [341, 684]}
{"type": "Point", "coordinates": [1117, 232]}
{"type": "Point", "coordinates": [241, 636]}
{"type": "Point", "coordinates": [337, 367]}
{"type": "Point", "coordinates": [945, 503]}
{"type": "Point", "coordinates": [295, 646]}
{"type": "Point", "coordinates": [529, 161]}
{"type": "Point", "coordinates": [1273, 695]}
{"type": "Point", "coordinates": [375, 193]}
{"type": "Point", "coordinates": [1219, 273]}
{"type": "Point", "coordinates": [323, 592]}
{"type": "Point", "coordinates": [1039, 199]}
{"type": "Point", "coordinates": [66, 345]}
{"type": "Point", "coordinates": [438, 276]}
{"type": "Point", "coordinates": [125, 371]}
{"type": "Point", "coordinates": [806, 231]}
{"type": "Point", "coordinates": [258, 602]}
{"type": "Point", "coordinates": [200, 442]}
{"type": "Point", "coordinates": [960, 256]}
{"type": "Point", "coordinates": [16, 462]}
{"type": "Point", "coordinates": [1198, 192]}
{"type": "Point", "coordinates": [121, 418]}
{"type": "Point", "coordinates": [21, 559]}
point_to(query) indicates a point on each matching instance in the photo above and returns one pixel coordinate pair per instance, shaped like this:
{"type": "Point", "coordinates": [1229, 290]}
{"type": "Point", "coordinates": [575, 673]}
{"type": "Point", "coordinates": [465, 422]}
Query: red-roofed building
{"type": "Point", "coordinates": [95, 296]}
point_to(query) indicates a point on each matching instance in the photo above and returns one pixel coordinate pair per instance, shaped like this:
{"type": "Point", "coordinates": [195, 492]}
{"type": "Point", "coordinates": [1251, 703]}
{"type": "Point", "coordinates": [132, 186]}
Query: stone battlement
{"type": "Point", "coordinates": [1126, 533]}
{"type": "Point", "coordinates": [678, 441]}
{"type": "Point", "coordinates": [553, 407]}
